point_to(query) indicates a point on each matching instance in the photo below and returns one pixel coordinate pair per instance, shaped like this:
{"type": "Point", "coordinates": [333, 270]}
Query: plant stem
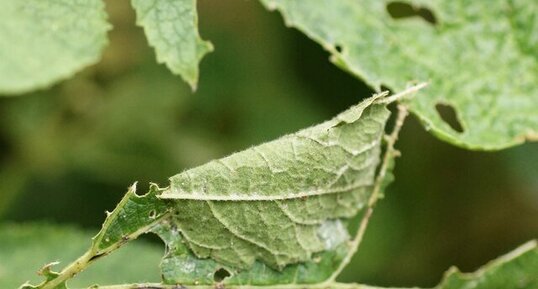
{"type": "Point", "coordinates": [71, 270]}
{"type": "Point", "coordinates": [390, 153]}
{"type": "Point", "coordinates": [409, 91]}
{"type": "Point", "coordinates": [91, 255]}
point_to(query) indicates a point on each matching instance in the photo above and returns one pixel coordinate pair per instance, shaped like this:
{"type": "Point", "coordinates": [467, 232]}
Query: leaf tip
{"type": "Point", "coordinates": [133, 186]}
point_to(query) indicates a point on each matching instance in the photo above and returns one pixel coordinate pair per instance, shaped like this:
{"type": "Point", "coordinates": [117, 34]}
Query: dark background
{"type": "Point", "coordinates": [69, 153]}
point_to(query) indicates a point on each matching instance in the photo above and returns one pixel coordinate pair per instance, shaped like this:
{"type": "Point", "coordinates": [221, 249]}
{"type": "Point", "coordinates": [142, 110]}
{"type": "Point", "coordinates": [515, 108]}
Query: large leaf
{"type": "Point", "coordinates": [272, 214]}
{"type": "Point", "coordinates": [256, 212]}
{"type": "Point", "coordinates": [480, 57]}
{"type": "Point", "coordinates": [171, 27]}
{"type": "Point", "coordinates": [280, 203]}
{"type": "Point", "coordinates": [26, 247]}
{"type": "Point", "coordinates": [43, 42]}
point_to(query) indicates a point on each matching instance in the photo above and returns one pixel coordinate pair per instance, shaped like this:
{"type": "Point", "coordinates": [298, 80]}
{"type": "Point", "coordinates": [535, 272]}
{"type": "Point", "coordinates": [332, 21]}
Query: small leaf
{"type": "Point", "coordinates": [171, 27]}
{"type": "Point", "coordinates": [480, 57]}
{"type": "Point", "coordinates": [518, 269]}
{"type": "Point", "coordinates": [43, 42]}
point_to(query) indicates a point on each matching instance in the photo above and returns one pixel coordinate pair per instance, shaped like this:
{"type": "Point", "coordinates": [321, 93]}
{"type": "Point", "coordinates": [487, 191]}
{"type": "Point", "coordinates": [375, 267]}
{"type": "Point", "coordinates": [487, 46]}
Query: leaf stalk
{"type": "Point", "coordinates": [390, 153]}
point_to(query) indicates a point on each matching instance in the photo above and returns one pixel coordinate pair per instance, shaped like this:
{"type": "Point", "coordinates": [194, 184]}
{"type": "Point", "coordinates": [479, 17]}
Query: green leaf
{"type": "Point", "coordinates": [25, 247]}
{"type": "Point", "coordinates": [480, 58]}
{"type": "Point", "coordinates": [518, 269]}
{"type": "Point", "coordinates": [171, 27]}
{"type": "Point", "coordinates": [281, 202]}
{"type": "Point", "coordinates": [133, 216]}
{"type": "Point", "coordinates": [44, 42]}
{"type": "Point", "coordinates": [272, 214]}
{"type": "Point", "coordinates": [181, 266]}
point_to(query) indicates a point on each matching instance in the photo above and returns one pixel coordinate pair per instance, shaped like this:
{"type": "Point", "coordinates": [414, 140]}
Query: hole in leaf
{"type": "Point", "coordinates": [385, 88]}
{"type": "Point", "coordinates": [151, 238]}
{"type": "Point", "coordinates": [448, 114]}
{"type": "Point", "coordinates": [400, 10]}
{"type": "Point", "coordinates": [221, 274]}
{"type": "Point", "coordinates": [152, 214]}
{"type": "Point", "coordinates": [143, 188]}
{"type": "Point", "coordinates": [338, 48]}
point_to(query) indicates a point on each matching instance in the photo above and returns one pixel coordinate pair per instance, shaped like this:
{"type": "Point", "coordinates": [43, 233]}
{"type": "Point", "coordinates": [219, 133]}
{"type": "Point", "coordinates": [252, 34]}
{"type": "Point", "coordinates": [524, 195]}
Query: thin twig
{"type": "Point", "coordinates": [409, 91]}
{"type": "Point", "coordinates": [91, 255]}
{"type": "Point", "coordinates": [390, 153]}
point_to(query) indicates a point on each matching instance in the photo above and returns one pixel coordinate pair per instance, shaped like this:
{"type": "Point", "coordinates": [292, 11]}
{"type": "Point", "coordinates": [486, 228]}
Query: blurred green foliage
{"type": "Point", "coordinates": [28, 247]}
{"type": "Point", "coordinates": [68, 153]}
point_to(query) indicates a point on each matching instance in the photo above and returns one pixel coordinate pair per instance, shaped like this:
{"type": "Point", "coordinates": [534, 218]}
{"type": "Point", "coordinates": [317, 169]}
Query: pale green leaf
{"type": "Point", "coordinates": [43, 42]}
{"type": "Point", "coordinates": [517, 269]}
{"type": "Point", "coordinates": [26, 247]}
{"type": "Point", "coordinates": [181, 266]}
{"type": "Point", "coordinates": [171, 27]}
{"type": "Point", "coordinates": [272, 214]}
{"type": "Point", "coordinates": [282, 202]}
{"type": "Point", "coordinates": [481, 58]}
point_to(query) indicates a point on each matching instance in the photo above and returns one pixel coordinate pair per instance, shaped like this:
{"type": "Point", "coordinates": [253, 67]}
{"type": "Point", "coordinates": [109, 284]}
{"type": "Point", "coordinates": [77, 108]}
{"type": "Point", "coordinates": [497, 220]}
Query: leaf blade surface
{"type": "Point", "coordinates": [171, 28]}
{"type": "Point", "coordinates": [480, 58]}
{"type": "Point", "coordinates": [44, 42]}
{"type": "Point", "coordinates": [296, 239]}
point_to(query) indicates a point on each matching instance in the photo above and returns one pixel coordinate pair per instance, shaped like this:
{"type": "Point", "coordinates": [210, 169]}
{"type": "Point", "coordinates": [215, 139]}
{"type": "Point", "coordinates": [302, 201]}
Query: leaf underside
{"type": "Point", "coordinates": [271, 214]}
{"type": "Point", "coordinates": [43, 42]}
{"type": "Point", "coordinates": [171, 27]}
{"type": "Point", "coordinates": [480, 57]}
